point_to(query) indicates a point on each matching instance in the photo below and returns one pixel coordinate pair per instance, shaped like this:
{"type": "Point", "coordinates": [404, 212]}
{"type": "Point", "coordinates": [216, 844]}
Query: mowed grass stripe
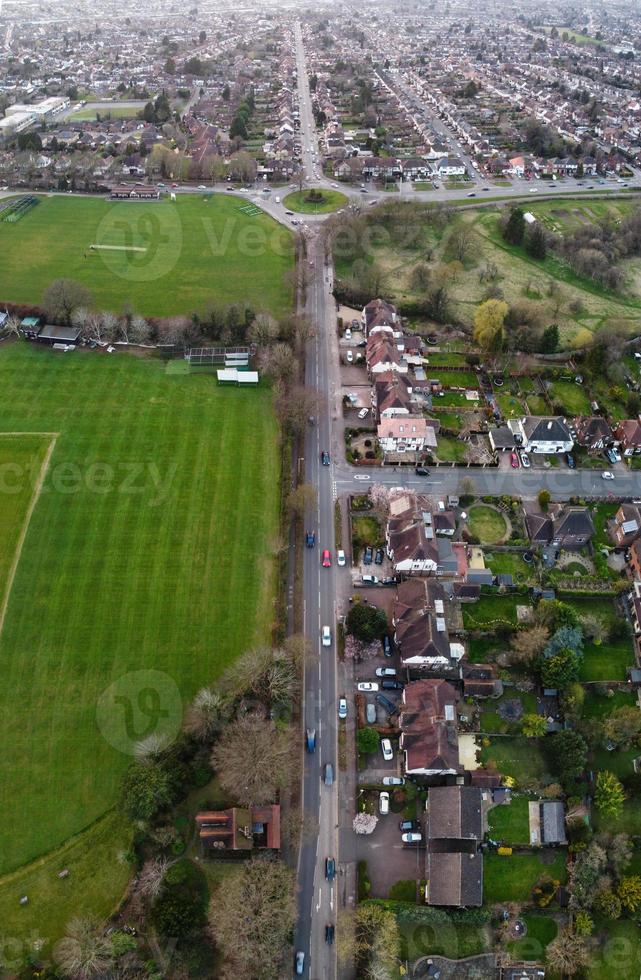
{"type": "Point", "coordinates": [109, 583]}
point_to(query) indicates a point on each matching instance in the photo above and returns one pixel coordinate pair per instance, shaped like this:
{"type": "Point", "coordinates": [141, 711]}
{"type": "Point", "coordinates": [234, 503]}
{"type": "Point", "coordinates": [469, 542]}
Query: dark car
{"type": "Point", "coordinates": [325, 458]}
{"type": "Point", "coordinates": [390, 580]}
{"type": "Point", "coordinates": [310, 739]}
{"type": "Point", "coordinates": [421, 471]}
{"type": "Point", "coordinates": [392, 685]}
{"type": "Point", "coordinates": [387, 646]}
{"type": "Point", "coordinates": [569, 459]}
{"type": "Point", "coordinates": [380, 555]}
{"type": "Point", "coordinates": [330, 869]}
{"type": "Point", "coordinates": [389, 706]}
{"type": "Point", "coordinates": [329, 934]}
{"type": "Point", "coordinates": [408, 825]}
{"type": "Point", "coordinates": [310, 539]}
{"type": "Point", "coordinates": [367, 557]}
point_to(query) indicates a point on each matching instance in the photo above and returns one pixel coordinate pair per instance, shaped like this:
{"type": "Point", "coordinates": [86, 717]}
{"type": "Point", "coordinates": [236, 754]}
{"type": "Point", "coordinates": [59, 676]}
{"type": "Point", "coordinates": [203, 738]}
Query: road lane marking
{"type": "Point", "coordinates": [331, 898]}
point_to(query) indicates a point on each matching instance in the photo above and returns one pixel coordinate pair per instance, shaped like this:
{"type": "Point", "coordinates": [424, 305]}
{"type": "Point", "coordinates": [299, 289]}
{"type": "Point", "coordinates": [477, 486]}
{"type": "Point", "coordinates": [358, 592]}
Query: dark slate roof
{"type": "Point", "coordinates": [574, 521]}
{"type": "Point", "coordinates": [455, 812]}
{"type": "Point", "coordinates": [546, 429]}
{"type": "Point", "coordinates": [553, 823]}
{"type": "Point", "coordinates": [503, 437]}
{"type": "Point", "coordinates": [455, 879]}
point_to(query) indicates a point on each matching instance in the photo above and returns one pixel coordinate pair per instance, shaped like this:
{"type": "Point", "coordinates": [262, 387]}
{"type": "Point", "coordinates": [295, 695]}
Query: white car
{"type": "Point", "coordinates": [348, 333]}
{"type": "Point", "coordinates": [364, 412]}
{"type": "Point", "coordinates": [386, 672]}
{"type": "Point", "coordinates": [525, 461]}
{"type": "Point", "coordinates": [383, 803]}
{"type": "Point", "coordinates": [393, 781]}
{"type": "Point", "coordinates": [607, 475]}
{"type": "Point", "coordinates": [387, 750]}
{"type": "Point", "coordinates": [367, 686]}
{"type": "Point", "coordinates": [327, 636]}
{"type": "Point", "coordinates": [411, 838]}
{"type": "Point", "coordinates": [533, 190]}
{"type": "Point", "coordinates": [202, 187]}
{"type": "Point", "coordinates": [349, 357]}
{"type": "Point", "coordinates": [342, 708]}
{"type": "Point", "coordinates": [340, 557]}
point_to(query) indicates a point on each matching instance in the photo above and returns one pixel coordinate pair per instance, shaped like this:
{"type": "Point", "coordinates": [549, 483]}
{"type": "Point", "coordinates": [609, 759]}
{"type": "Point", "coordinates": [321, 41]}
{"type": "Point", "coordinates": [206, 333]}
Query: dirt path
{"type": "Point", "coordinates": [27, 520]}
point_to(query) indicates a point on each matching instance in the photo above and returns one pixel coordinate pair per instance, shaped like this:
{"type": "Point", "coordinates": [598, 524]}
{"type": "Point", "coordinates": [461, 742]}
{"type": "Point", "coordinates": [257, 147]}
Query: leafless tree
{"type": "Point", "coordinates": [528, 644]}
{"type": "Point", "coordinates": [279, 363]}
{"type": "Point", "coordinates": [207, 714]}
{"type": "Point", "coordinates": [63, 296]}
{"type": "Point", "coordinates": [295, 406]}
{"type": "Point", "coordinates": [264, 330]}
{"type": "Point", "coordinates": [152, 876]}
{"type": "Point", "coordinates": [254, 760]}
{"type": "Point", "coordinates": [302, 499]}
{"type": "Point", "coordinates": [84, 952]}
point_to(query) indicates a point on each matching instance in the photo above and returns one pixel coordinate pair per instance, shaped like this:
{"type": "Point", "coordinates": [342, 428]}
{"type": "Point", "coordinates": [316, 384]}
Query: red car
{"type": "Point", "coordinates": [514, 460]}
{"type": "Point", "coordinates": [327, 559]}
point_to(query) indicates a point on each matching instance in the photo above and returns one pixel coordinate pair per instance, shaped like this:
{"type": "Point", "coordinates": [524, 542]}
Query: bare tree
{"type": "Point", "coordinates": [254, 760]}
{"type": "Point", "coordinates": [254, 918]}
{"type": "Point", "coordinates": [63, 296]}
{"type": "Point", "coordinates": [568, 953]}
{"type": "Point", "coordinates": [264, 330]}
{"type": "Point", "coordinates": [84, 952]}
{"type": "Point", "coordinates": [528, 644]}
{"type": "Point", "coordinates": [295, 406]}
{"type": "Point", "coordinates": [279, 363]}
{"type": "Point", "coordinates": [152, 875]}
{"type": "Point", "coordinates": [302, 499]}
{"type": "Point", "coordinates": [207, 714]}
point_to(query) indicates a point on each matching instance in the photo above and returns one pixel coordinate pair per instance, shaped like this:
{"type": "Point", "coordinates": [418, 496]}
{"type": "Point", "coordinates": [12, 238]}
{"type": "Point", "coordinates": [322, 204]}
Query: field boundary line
{"type": "Point", "coordinates": [35, 496]}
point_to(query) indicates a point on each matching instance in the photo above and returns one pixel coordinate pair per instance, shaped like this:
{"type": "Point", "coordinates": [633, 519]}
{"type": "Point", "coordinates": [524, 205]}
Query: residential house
{"type": "Point", "coordinates": [570, 528]}
{"type": "Point", "coordinates": [628, 434]}
{"type": "Point", "coordinates": [592, 432]}
{"type": "Point", "coordinates": [481, 680]}
{"type": "Point", "coordinates": [412, 544]}
{"type": "Point", "coordinates": [407, 434]}
{"type": "Point", "coordinates": [626, 526]}
{"type": "Point", "coordinates": [392, 396]}
{"type": "Point", "coordinates": [240, 829]}
{"type": "Point", "coordinates": [454, 832]}
{"type": "Point", "coordinates": [382, 168]}
{"type": "Point", "coordinates": [378, 314]}
{"type": "Point", "coordinates": [635, 560]}
{"type": "Point", "coordinates": [382, 354]}
{"type": "Point", "coordinates": [542, 434]}
{"type": "Point", "coordinates": [420, 630]}
{"type": "Point", "coordinates": [451, 167]}
{"type": "Point", "coordinates": [429, 737]}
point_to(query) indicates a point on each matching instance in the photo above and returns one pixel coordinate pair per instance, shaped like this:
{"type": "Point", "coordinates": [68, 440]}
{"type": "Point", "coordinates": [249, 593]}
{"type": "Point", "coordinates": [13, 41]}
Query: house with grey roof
{"type": "Point", "coordinates": [542, 434]}
{"type": "Point", "coordinates": [454, 832]}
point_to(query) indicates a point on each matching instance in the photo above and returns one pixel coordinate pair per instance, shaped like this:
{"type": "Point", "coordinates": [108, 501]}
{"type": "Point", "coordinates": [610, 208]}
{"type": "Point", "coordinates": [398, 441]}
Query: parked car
{"type": "Point", "coordinates": [363, 413]}
{"type": "Point", "coordinates": [368, 554]}
{"type": "Point", "coordinates": [387, 750]}
{"type": "Point", "coordinates": [340, 557]}
{"type": "Point", "coordinates": [327, 636]}
{"type": "Point", "coordinates": [310, 739]}
{"type": "Point", "coordinates": [330, 869]}
{"type": "Point", "coordinates": [342, 708]}
{"type": "Point", "coordinates": [299, 963]}
{"type": "Point", "coordinates": [380, 556]}
{"type": "Point", "coordinates": [607, 475]}
{"type": "Point", "coordinates": [349, 357]}
{"type": "Point", "coordinates": [412, 838]}
{"type": "Point", "coordinates": [385, 702]}
{"type": "Point", "coordinates": [393, 781]}
{"type": "Point", "coordinates": [613, 456]}
{"type": "Point", "coordinates": [514, 460]}
{"type": "Point", "coordinates": [421, 471]}
{"type": "Point", "coordinates": [387, 646]}
{"type": "Point", "coordinates": [327, 558]}
{"type": "Point", "coordinates": [367, 686]}
{"type": "Point", "coordinates": [569, 459]}
{"type": "Point", "coordinates": [386, 671]}
{"type": "Point", "coordinates": [370, 713]}
{"type": "Point", "coordinates": [409, 825]}
{"type": "Point", "coordinates": [369, 580]}
{"type": "Point", "coordinates": [383, 803]}
{"type": "Point", "coordinates": [525, 460]}
{"type": "Point", "coordinates": [329, 934]}
{"type": "Point", "coordinates": [310, 539]}
{"type": "Point", "coordinates": [328, 774]}
{"type": "Point", "coordinates": [392, 685]}
{"type": "Point", "coordinates": [325, 458]}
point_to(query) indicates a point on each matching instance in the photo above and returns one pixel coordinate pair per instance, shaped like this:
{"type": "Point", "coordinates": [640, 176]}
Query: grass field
{"type": "Point", "coordinates": [149, 549]}
{"type": "Point", "coordinates": [113, 112]}
{"type": "Point", "coordinates": [509, 822]}
{"type": "Point", "coordinates": [511, 878]}
{"type": "Point", "coordinates": [487, 524]}
{"type": "Point", "coordinates": [332, 201]}
{"type": "Point", "coordinates": [514, 756]}
{"type": "Point", "coordinates": [541, 930]}
{"type": "Point", "coordinates": [198, 250]}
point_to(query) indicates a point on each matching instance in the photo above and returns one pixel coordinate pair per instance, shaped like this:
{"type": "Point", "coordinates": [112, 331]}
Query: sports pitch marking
{"type": "Point", "coordinates": [118, 248]}
{"type": "Point", "coordinates": [53, 436]}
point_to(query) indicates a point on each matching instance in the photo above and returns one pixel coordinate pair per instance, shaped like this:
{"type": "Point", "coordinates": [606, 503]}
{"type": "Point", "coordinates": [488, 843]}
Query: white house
{"type": "Point", "coordinates": [451, 167]}
{"type": "Point", "coordinates": [550, 436]}
{"type": "Point", "coordinates": [406, 435]}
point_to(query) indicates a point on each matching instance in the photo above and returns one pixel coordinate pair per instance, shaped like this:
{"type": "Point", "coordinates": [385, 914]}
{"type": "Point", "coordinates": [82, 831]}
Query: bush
{"type": "Point", "coordinates": [366, 623]}
{"type": "Point", "coordinates": [368, 740]}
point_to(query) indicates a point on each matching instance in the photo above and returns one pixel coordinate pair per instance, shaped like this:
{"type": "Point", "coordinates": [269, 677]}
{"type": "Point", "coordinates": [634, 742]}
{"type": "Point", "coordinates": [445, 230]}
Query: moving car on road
{"type": "Point", "coordinates": [330, 869]}
{"type": "Point", "coordinates": [310, 539]}
{"type": "Point", "coordinates": [421, 471]}
{"type": "Point", "coordinates": [327, 558]}
{"type": "Point", "coordinates": [327, 636]}
{"type": "Point", "coordinates": [328, 774]}
{"type": "Point", "coordinates": [329, 934]}
{"type": "Point", "coordinates": [607, 475]}
{"type": "Point", "coordinates": [310, 739]}
{"type": "Point", "coordinates": [299, 963]}
{"type": "Point", "coordinates": [325, 458]}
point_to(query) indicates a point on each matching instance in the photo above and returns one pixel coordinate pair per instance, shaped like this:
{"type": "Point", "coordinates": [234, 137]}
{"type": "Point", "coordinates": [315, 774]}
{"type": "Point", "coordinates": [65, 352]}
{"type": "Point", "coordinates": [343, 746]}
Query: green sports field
{"type": "Point", "coordinates": [149, 549]}
{"type": "Point", "coordinates": [164, 258]}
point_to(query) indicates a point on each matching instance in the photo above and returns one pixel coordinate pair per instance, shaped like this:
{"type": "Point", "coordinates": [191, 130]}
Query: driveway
{"type": "Point", "coordinates": [388, 861]}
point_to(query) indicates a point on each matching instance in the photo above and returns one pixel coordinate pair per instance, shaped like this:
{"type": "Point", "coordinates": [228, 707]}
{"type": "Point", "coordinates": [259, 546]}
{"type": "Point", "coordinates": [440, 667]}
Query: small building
{"type": "Point", "coordinates": [570, 528]}
{"type": "Point", "coordinates": [593, 432]}
{"type": "Point", "coordinates": [548, 435]}
{"type": "Point", "coordinates": [53, 334]}
{"type": "Point", "coordinates": [626, 526]}
{"type": "Point", "coordinates": [547, 823]}
{"type": "Point", "coordinates": [240, 829]}
{"type": "Point", "coordinates": [234, 376]}
{"type": "Point", "coordinates": [139, 192]}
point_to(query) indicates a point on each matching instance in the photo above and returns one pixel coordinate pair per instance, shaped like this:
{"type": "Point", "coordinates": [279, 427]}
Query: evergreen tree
{"type": "Point", "coordinates": [515, 228]}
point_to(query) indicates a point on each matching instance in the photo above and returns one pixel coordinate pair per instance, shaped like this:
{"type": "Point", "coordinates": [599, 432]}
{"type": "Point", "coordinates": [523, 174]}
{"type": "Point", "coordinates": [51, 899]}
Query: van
{"type": "Point", "coordinates": [277, 199]}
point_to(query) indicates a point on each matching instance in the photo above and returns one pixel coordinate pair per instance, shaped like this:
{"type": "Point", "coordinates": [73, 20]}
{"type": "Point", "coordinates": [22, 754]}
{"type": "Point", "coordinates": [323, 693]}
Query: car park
{"type": "Point", "coordinates": [328, 774]}
{"type": "Point", "coordinates": [368, 554]}
{"type": "Point", "coordinates": [310, 539]}
{"type": "Point", "coordinates": [412, 838]}
{"type": "Point", "coordinates": [387, 750]}
{"type": "Point", "coordinates": [325, 460]}
{"type": "Point", "coordinates": [383, 803]}
{"type": "Point", "coordinates": [342, 708]}
{"type": "Point", "coordinates": [327, 636]}
{"type": "Point", "coordinates": [386, 672]}
{"type": "Point", "coordinates": [380, 556]}
{"type": "Point", "coordinates": [369, 580]}
{"type": "Point", "coordinates": [330, 869]}
{"type": "Point", "coordinates": [370, 713]}
{"type": "Point", "coordinates": [389, 706]}
{"type": "Point", "coordinates": [367, 686]}
{"type": "Point", "coordinates": [327, 558]}
{"type": "Point", "coordinates": [393, 781]}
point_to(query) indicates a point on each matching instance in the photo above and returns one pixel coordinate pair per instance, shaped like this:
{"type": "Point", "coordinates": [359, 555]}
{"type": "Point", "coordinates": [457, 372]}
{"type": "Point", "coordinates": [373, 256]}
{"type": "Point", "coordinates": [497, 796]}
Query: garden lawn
{"type": "Point", "coordinates": [541, 930]}
{"type": "Point", "coordinates": [509, 563]}
{"type": "Point", "coordinates": [331, 201]}
{"type": "Point", "coordinates": [509, 822]}
{"type": "Point", "coordinates": [618, 953]}
{"type": "Point", "coordinates": [458, 379]}
{"type": "Point", "coordinates": [574, 397]}
{"type": "Point", "coordinates": [491, 721]}
{"type": "Point", "coordinates": [492, 608]}
{"type": "Point", "coordinates": [454, 940]}
{"type": "Point", "coordinates": [450, 449]}
{"type": "Point", "coordinates": [484, 648]}
{"type": "Point", "coordinates": [514, 756]}
{"type": "Point", "coordinates": [600, 706]}
{"type": "Point", "coordinates": [609, 660]}
{"type": "Point", "coordinates": [198, 250]}
{"type": "Point", "coordinates": [367, 530]}
{"type": "Point", "coordinates": [511, 878]}
{"type": "Point", "coordinates": [487, 524]}
{"type": "Point", "coordinates": [150, 548]}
